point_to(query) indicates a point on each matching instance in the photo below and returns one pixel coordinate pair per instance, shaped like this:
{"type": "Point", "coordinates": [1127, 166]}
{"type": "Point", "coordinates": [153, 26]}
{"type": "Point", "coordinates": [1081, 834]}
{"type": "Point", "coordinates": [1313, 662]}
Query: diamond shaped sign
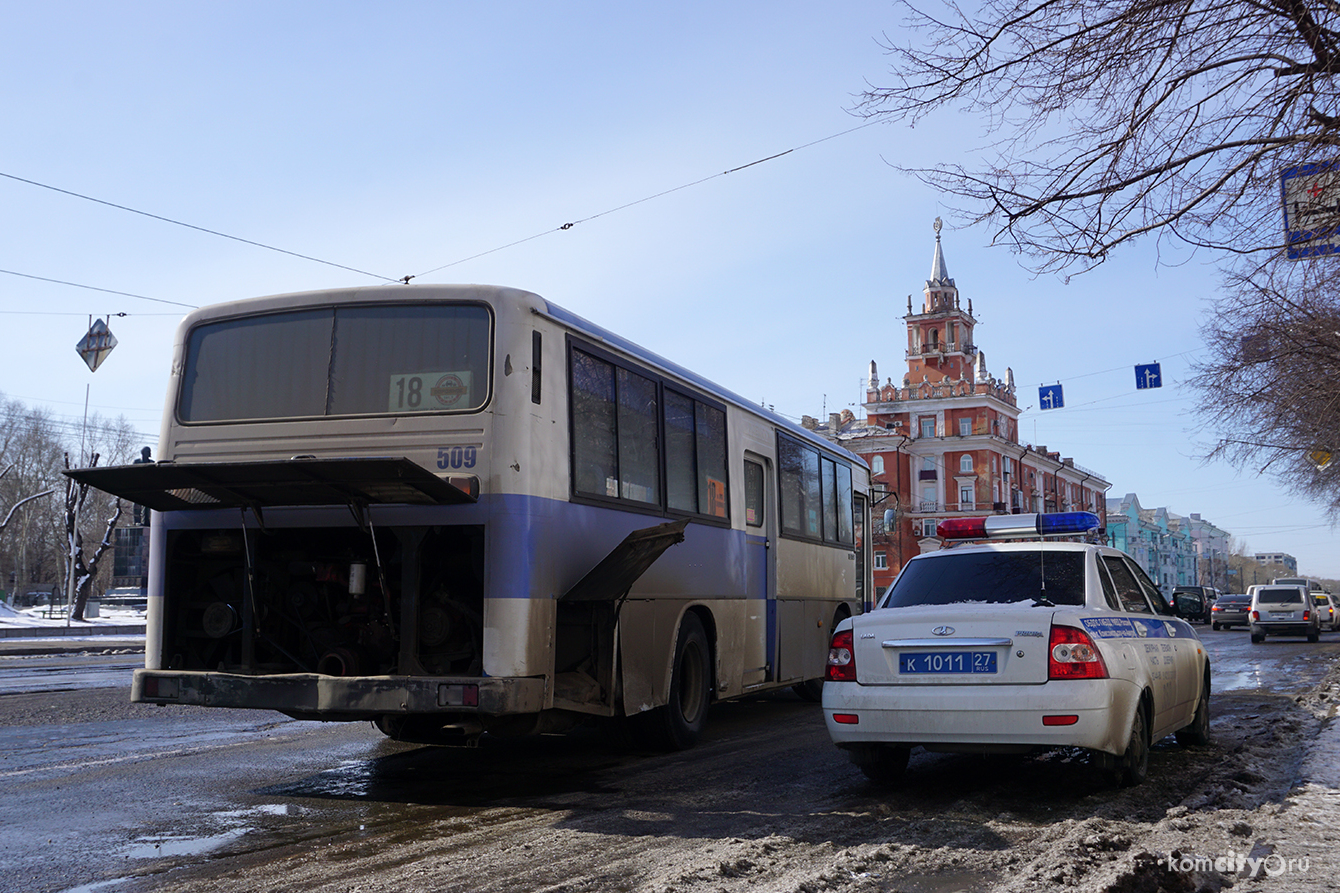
{"type": "Point", "coordinates": [96, 345]}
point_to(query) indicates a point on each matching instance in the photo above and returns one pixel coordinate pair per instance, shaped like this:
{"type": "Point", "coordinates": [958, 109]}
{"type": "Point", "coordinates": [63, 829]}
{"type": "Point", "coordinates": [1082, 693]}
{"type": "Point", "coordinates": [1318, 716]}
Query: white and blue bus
{"type": "Point", "coordinates": [461, 509]}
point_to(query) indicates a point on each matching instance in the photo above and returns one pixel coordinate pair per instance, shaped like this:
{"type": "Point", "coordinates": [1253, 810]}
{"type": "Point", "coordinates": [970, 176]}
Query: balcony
{"type": "Point", "coordinates": [927, 474]}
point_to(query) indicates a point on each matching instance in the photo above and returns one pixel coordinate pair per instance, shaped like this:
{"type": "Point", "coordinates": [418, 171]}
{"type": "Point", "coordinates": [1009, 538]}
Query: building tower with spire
{"type": "Point", "coordinates": [944, 441]}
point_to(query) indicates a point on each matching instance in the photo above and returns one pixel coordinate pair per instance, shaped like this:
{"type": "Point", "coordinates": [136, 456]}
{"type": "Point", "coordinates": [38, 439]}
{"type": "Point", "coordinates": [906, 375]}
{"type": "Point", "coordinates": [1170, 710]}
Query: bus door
{"type": "Point", "coordinates": [864, 583]}
{"type": "Point", "coordinates": [760, 624]}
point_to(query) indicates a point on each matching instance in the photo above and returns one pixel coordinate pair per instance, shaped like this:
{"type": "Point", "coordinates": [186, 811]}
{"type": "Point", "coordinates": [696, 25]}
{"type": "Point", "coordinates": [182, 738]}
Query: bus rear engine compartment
{"type": "Point", "coordinates": [325, 600]}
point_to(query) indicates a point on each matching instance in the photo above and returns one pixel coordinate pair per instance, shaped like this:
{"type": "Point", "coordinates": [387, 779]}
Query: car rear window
{"type": "Point", "coordinates": [1279, 595]}
{"type": "Point", "coordinates": [991, 578]}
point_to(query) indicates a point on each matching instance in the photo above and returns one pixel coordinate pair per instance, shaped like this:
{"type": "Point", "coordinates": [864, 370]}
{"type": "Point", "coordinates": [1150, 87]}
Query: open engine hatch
{"type": "Point", "coordinates": [168, 486]}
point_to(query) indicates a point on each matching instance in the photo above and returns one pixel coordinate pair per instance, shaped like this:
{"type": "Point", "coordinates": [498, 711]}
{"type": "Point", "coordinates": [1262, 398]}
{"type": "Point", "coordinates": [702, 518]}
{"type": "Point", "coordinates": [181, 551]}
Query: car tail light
{"type": "Point", "coordinates": [841, 658]}
{"type": "Point", "coordinates": [1307, 615]}
{"type": "Point", "coordinates": [1072, 655]}
{"type": "Point", "coordinates": [1256, 615]}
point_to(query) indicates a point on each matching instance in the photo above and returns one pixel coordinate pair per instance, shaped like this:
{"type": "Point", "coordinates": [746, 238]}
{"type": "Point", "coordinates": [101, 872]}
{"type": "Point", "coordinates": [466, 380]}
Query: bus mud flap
{"type": "Point", "coordinates": [588, 614]}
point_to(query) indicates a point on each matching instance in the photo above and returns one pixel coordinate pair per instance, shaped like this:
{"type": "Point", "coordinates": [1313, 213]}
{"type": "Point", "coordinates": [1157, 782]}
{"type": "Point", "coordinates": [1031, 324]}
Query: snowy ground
{"type": "Point", "coordinates": [42, 618]}
{"type": "Point", "coordinates": [1256, 810]}
{"type": "Point", "coordinates": [754, 811]}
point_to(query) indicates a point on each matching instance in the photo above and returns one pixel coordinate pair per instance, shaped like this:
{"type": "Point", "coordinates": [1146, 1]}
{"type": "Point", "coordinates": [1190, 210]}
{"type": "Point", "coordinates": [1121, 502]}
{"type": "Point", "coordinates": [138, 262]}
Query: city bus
{"type": "Point", "coordinates": [458, 510]}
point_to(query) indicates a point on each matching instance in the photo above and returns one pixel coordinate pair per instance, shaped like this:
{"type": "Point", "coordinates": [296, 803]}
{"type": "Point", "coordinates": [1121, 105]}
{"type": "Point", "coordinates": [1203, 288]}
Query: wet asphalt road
{"type": "Point", "coordinates": [102, 795]}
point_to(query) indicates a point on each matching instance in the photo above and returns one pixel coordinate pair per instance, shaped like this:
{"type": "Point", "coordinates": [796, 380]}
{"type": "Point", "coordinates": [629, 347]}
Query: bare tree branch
{"type": "Point", "coordinates": [1113, 119]}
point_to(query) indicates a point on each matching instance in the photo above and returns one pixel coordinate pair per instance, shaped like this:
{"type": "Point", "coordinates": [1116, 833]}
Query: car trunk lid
{"type": "Point", "coordinates": [953, 645]}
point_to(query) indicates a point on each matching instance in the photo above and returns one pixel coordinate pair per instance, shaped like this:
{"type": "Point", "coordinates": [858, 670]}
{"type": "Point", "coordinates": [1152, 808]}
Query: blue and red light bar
{"type": "Point", "coordinates": [1016, 526]}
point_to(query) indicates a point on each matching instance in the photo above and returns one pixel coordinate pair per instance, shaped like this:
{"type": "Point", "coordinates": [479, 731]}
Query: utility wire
{"type": "Point", "coordinates": [121, 315]}
{"type": "Point", "coordinates": [566, 226]}
{"type": "Point", "coordinates": [569, 225]}
{"type": "Point", "coordinates": [108, 291]}
{"type": "Point", "coordinates": [201, 229]}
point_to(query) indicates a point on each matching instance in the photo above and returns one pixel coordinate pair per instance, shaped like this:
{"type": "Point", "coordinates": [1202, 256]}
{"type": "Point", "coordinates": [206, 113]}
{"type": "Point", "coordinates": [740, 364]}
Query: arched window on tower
{"type": "Point", "coordinates": [877, 465]}
{"type": "Point", "coordinates": [965, 464]}
{"type": "Point", "coordinates": [933, 338]}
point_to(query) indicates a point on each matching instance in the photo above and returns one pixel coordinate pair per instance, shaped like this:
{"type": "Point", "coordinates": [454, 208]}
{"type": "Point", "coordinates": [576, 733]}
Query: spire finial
{"type": "Point", "coordinates": [937, 226]}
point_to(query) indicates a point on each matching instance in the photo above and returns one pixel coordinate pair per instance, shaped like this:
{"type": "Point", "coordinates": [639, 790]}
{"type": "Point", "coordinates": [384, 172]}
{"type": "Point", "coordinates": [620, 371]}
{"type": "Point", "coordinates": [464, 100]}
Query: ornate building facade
{"type": "Point", "coordinates": [943, 441]}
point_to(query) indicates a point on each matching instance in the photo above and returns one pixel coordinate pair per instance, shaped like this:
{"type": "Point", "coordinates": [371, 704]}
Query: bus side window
{"type": "Point", "coordinates": [535, 367]}
{"type": "Point", "coordinates": [753, 494]}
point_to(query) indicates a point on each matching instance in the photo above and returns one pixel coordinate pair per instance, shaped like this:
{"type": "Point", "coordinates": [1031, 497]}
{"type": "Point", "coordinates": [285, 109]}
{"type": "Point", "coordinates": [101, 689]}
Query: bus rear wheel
{"type": "Point", "coordinates": [677, 725]}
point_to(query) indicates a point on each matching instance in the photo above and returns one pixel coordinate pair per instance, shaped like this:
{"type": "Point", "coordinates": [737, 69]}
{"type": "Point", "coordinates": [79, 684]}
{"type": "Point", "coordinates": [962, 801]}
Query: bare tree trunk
{"type": "Point", "coordinates": [84, 585]}
{"type": "Point", "coordinates": [80, 569]}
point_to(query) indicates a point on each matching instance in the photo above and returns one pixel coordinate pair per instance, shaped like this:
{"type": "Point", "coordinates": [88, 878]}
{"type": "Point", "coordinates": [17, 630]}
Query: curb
{"type": "Point", "coordinates": [61, 632]}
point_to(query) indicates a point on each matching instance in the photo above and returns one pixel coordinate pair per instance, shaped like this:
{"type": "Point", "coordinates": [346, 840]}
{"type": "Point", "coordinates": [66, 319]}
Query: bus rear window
{"type": "Point", "coordinates": [356, 360]}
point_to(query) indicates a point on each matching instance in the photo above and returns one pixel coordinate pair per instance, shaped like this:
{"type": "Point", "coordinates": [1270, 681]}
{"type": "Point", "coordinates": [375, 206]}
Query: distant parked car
{"type": "Point", "coordinates": [1283, 611]}
{"type": "Point", "coordinates": [1327, 615]}
{"type": "Point", "coordinates": [1231, 610]}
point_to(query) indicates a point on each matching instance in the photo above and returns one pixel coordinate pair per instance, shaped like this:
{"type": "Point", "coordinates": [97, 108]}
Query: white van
{"type": "Point", "coordinates": [1282, 610]}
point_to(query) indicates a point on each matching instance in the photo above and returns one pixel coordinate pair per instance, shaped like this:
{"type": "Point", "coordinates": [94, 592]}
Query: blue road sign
{"type": "Point", "coordinates": [1148, 376]}
{"type": "Point", "coordinates": [1050, 397]}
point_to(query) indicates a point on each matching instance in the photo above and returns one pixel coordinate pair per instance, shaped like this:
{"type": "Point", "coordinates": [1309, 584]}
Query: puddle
{"type": "Point", "coordinates": [1241, 680]}
{"type": "Point", "coordinates": [98, 886]}
{"type": "Point", "coordinates": [230, 824]}
{"type": "Point", "coordinates": [960, 882]}
{"type": "Point", "coordinates": [153, 848]}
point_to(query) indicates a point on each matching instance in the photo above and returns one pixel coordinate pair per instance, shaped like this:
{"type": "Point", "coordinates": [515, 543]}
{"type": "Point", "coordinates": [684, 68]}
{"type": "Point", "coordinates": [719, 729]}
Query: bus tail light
{"type": "Point", "coordinates": [841, 658]}
{"type": "Point", "coordinates": [1072, 655]}
{"type": "Point", "coordinates": [162, 687]}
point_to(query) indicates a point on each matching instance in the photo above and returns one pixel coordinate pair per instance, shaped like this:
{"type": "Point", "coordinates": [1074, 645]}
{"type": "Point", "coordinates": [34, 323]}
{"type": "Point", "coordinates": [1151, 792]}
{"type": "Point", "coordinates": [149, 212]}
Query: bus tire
{"type": "Point", "coordinates": [677, 725]}
{"type": "Point", "coordinates": [811, 690]}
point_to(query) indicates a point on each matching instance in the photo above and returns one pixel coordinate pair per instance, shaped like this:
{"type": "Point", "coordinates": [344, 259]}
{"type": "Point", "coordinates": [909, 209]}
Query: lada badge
{"type": "Point", "coordinates": [943, 631]}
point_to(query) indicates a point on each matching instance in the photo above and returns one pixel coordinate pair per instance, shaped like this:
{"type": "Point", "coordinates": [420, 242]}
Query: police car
{"type": "Point", "coordinates": [1004, 647]}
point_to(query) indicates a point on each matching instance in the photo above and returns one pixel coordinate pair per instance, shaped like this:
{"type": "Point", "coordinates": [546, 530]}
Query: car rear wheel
{"type": "Point", "coordinates": [1314, 636]}
{"type": "Point", "coordinates": [1258, 638]}
{"type": "Point", "coordinates": [1132, 767]}
{"type": "Point", "coordinates": [883, 764]}
{"type": "Point", "coordinates": [1198, 732]}
{"type": "Point", "coordinates": [1214, 626]}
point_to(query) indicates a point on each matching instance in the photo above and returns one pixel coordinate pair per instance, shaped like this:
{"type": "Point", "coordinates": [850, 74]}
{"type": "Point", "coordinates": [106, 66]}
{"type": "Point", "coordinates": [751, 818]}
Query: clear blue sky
{"type": "Point", "coordinates": [400, 138]}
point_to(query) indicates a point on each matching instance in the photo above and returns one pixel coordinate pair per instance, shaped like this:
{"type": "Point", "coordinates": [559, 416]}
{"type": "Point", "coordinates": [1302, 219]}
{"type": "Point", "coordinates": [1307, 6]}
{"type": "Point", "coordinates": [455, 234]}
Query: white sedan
{"type": "Point", "coordinates": [1004, 647]}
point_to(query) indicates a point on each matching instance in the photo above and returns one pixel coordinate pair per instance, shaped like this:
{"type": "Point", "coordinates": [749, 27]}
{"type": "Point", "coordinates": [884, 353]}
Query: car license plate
{"type": "Point", "coordinates": [948, 662]}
